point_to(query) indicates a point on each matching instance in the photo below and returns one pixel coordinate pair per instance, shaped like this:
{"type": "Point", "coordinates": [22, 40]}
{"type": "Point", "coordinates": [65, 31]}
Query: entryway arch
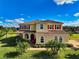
{"type": "Point", "coordinates": [33, 39]}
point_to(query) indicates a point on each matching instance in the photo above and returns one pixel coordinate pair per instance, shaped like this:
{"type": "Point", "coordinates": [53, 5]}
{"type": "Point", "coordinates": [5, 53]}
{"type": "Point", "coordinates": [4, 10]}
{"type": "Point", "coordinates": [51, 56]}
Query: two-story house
{"type": "Point", "coordinates": [42, 31]}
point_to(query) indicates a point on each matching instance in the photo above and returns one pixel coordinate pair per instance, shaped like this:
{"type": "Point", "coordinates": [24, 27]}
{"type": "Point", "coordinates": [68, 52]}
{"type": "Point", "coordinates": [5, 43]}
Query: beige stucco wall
{"type": "Point", "coordinates": [49, 37]}
{"type": "Point", "coordinates": [33, 27]}
{"type": "Point", "coordinates": [45, 29]}
{"type": "Point", "coordinates": [41, 30]}
{"type": "Point", "coordinates": [36, 27]}
{"type": "Point", "coordinates": [54, 25]}
{"type": "Point", "coordinates": [29, 34]}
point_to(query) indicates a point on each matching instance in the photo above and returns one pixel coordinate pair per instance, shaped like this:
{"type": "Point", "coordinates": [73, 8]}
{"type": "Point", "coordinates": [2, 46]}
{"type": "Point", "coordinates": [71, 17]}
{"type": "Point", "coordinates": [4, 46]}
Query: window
{"type": "Point", "coordinates": [56, 39]}
{"type": "Point", "coordinates": [60, 39]}
{"type": "Point", "coordinates": [21, 26]}
{"type": "Point", "coordinates": [24, 26]}
{"type": "Point", "coordinates": [57, 26]}
{"type": "Point", "coordinates": [42, 39]}
{"type": "Point", "coordinates": [51, 27]}
{"type": "Point", "coordinates": [41, 26]}
{"type": "Point", "coordinates": [26, 36]}
{"type": "Point", "coordinates": [27, 27]}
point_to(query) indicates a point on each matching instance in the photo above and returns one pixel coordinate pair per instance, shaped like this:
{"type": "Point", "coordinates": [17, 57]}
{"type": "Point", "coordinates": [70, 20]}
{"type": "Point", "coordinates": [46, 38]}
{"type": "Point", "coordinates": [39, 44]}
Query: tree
{"type": "Point", "coordinates": [55, 46]}
{"type": "Point", "coordinates": [6, 30]}
{"type": "Point", "coordinates": [21, 45]}
{"type": "Point", "coordinates": [2, 33]}
{"type": "Point", "coordinates": [70, 34]}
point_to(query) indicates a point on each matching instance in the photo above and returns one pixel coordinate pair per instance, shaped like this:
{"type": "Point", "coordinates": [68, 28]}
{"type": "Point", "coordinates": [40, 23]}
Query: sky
{"type": "Point", "coordinates": [13, 12]}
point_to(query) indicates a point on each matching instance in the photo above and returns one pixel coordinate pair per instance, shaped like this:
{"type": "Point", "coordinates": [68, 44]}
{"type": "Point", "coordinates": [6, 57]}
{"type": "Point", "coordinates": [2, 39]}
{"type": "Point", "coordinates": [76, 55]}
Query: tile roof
{"type": "Point", "coordinates": [51, 21]}
{"type": "Point", "coordinates": [38, 21]}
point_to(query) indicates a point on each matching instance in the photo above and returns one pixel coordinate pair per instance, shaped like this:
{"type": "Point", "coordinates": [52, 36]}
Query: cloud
{"type": "Point", "coordinates": [72, 23]}
{"type": "Point", "coordinates": [43, 19]}
{"type": "Point", "coordinates": [13, 22]}
{"type": "Point", "coordinates": [18, 20]}
{"type": "Point", "coordinates": [21, 18]}
{"type": "Point", "coordinates": [7, 20]}
{"type": "Point", "coordinates": [76, 14]}
{"type": "Point", "coordinates": [1, 22]}
{"type": "Point", "coordinates": [61, 2]}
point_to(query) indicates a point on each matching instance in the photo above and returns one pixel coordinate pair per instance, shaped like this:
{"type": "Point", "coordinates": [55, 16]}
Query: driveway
{"type": "Point", "coordinates": [74, 42]}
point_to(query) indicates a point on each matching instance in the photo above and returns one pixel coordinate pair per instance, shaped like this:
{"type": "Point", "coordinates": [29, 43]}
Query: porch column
{"type": "Point", "coordinates": [61, 27]}
{"type": "Point", "coordinates": [54, 26]}
{"type": "Point", "coordinates": [29, 37]}
{"type": "Point", "coordinates": [23, 35]}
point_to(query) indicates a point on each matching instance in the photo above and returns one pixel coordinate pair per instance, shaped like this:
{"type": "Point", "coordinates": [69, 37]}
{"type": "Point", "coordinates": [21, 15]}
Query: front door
{"type": "Point", "coordinates": [33, 40]}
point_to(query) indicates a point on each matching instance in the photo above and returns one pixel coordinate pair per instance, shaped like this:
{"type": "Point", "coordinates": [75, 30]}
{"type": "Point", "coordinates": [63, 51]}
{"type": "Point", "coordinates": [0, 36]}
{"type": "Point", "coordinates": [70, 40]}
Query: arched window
{"type": "Point", "coordinates": [41, 26]}
{"type": "Point", "coordinates": [56, 38]}
{"type": "Point", "coordinates": [60, 39]}
{"type": "Point", "coordinates": [42, 39]}
{"type": "Point", "coordinates": [26, 36]}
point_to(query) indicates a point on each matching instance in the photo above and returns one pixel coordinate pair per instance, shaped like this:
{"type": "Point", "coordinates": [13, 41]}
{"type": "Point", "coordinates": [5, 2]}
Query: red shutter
{"type": "Point", "coordinates": [48, 26]}
{"type": "Point", "coordinates": [52, 27]}
{"type": "Point", "coordinates": [61, 27]}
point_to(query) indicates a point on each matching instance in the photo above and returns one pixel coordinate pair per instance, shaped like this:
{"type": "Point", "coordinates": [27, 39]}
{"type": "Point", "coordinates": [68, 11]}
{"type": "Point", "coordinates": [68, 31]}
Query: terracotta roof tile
{"type": "Point", "coordinates": [52, 21]}
{"type": "Point", "coordinates": [38, 21]}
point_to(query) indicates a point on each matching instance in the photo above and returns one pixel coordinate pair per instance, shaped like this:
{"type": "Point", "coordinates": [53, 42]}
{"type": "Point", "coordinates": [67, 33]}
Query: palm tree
{"type": "Point", "coordinates": [55, 46]}
{"type": "Point", "coordinates": [21, 45]}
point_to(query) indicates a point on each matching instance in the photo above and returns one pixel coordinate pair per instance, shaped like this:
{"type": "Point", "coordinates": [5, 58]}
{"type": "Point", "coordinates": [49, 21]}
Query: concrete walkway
{"type": "Point", "coordinates": [40, 49]}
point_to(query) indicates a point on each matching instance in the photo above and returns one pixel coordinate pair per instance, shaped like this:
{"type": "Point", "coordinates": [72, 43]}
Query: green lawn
{"type": "Point", "coordinates": [74, 36]}
{"type": "Point", "coordinates": [8, 52]}
{"type": "Point", "coordinates": [67, 54]}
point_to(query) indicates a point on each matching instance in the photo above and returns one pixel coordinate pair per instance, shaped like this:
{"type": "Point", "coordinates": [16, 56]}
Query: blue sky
{"type": "Point", "coordinates": [13, 12]}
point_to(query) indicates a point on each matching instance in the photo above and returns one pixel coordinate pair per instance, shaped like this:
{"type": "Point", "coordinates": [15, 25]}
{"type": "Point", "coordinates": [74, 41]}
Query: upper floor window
{"type": "Point", "coordinates": [42, 39]}
{"type": "Point", "coordinates": [24, 26]}
{"type": "Point", "coordinates": [50, 27]}
{"type": "Point", "coordinates": [20, 26]}
{"type": "Point", "coordinates": [27, 27]}
{"type": "Point", "coordinates": [57, 26]}
{"type": "Point", "coordinates": [41, 26]}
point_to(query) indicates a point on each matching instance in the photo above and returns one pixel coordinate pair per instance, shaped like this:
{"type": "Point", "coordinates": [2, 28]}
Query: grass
{"type": "Point", "coordinates": [74, 36]}
{"type": "Point", "coordinates": [67, 54]}
{"type": "Point", "coordinates": [9, 52]}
